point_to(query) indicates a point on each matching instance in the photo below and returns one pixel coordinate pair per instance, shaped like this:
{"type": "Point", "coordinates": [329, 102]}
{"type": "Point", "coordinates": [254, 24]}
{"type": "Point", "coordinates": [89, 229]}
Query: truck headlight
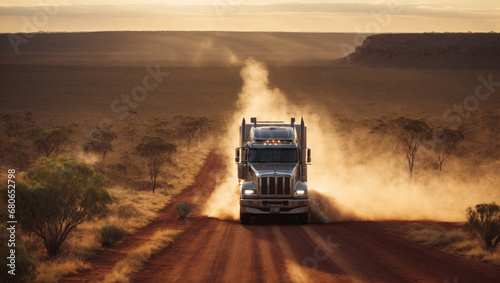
{"type": "Point", "coordinates": [249, 192]}
{"type": "Point", "coordinates": [300, 192]}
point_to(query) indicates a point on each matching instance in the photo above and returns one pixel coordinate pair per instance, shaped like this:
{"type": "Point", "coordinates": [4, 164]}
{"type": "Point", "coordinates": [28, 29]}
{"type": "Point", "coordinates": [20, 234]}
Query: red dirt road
{"type": "Point", "coordinates": [212, 250]}
{"type": "Point", "coordinates": [221, 251]}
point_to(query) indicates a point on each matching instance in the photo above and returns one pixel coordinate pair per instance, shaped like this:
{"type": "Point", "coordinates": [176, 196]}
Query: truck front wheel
{"type": "Point", "coordinates": [302, 218]}
{"type": "Point", "coordinates": [244, 218]}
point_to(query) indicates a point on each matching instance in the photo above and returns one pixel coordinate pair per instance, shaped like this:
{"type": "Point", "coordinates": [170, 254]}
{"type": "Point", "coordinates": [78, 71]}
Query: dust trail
{"type": "Point", "coordinates": [256, 99]}
{"type": "Point", "coordinates": [371, 184]}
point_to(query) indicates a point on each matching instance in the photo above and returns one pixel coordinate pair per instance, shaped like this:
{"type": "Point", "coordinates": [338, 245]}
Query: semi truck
{"type": "Point", "coordinates": [272, 161]}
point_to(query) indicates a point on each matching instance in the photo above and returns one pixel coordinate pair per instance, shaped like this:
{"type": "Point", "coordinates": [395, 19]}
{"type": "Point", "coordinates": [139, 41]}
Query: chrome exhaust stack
{"type": "Point", "coordinates": [303, 151]}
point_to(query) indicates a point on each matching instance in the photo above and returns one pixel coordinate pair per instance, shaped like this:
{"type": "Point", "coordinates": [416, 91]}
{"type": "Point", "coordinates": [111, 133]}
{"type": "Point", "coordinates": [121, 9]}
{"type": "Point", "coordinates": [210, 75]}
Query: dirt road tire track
{"type": "Point", "coordinates": [341, 252]}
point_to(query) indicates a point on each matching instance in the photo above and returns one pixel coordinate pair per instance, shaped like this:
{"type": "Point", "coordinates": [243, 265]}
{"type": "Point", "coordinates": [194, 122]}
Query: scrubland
{"type": "Point", "coordinates": [133, 206]}
{"type": "Point", "coordinates": [450, 239]}
{"type": "Point", "coordinates": [353, 109]}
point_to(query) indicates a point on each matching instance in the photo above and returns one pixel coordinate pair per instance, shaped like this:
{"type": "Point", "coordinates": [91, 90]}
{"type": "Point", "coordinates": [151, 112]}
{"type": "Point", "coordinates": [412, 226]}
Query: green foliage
{"type": "Point", "coordinates": [156, 152]}
{"type": "Point", "coordinates": [60, 194]}
{"type": "Point", "coordinates": [184, 208]}
{"type": "Point", "coordinates": [110, 234]}
{"type": "Point", "coordinates": [50, 140]}
{"type": "Point", "coordinates": [484, 222]}
{"type": "Point", "coordinates": [100, 142]}
{"type": "Point", "coordinates": [24, 267]}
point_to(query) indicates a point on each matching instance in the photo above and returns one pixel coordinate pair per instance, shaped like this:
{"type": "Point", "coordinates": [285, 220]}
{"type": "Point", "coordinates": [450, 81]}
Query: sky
{"type": "Point", "coordinates": [364, 16]}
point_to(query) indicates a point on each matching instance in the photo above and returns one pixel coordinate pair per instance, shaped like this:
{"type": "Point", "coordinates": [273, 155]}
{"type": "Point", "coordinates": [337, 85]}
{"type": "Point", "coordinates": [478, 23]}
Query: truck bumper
{"type": "Point", "coordinates": [274, 206]}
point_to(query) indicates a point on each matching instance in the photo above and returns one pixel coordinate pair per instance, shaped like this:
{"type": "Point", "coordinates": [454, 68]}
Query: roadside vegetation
{"type": "Point", "coordinates": [135, 260]}
{"type": "Point", "coordinates": [106, 183]}
{"type": "Point", "coordinates": [184, 208]}
{"type": "Point", "coordinates": [148, 160]}
{"type": "Point", "coordinates": [427, 145]}
{"type": "Point", "coordinates": [477, 240]}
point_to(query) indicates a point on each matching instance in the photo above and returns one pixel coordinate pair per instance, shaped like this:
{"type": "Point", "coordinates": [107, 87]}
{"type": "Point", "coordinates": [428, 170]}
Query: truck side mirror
{"type": "Point", "coordinates": [237, 155]}
{"type": "Point", "coordinates": [308, 155]}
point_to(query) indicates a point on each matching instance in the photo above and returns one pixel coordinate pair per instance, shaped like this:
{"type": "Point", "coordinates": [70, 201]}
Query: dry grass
{"type": "Point", "coordinates": [50, 271]}
{"type": "Point", "coordinates": [455, 241]}
{"type": "Point", "coordinates": [131, 210]}
{"type": "Point", "coordinates": [134, 261]}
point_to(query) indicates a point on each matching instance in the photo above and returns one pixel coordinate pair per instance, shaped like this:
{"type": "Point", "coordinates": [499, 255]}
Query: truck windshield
{"type": "Point", "coordinates": [273, 155]}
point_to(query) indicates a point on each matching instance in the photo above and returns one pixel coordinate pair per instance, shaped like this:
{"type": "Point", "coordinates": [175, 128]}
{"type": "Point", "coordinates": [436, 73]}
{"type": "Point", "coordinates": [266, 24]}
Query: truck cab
{"type": "Point", "coordinates": [272, 169]}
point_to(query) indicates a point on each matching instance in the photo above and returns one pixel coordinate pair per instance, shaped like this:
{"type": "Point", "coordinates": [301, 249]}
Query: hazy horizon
{"type": "Point", "coordinates": [242, 15]}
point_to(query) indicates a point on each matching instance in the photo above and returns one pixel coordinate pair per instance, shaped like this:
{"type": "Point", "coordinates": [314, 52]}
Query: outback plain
{"type": "Point", "coordinates": [404, 130]}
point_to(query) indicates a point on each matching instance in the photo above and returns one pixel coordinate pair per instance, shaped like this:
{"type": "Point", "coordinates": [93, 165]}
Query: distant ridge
{"type": "Point", "coordinates": [174, 48]}
{"type": "Point", "coordinates": [436, 50]}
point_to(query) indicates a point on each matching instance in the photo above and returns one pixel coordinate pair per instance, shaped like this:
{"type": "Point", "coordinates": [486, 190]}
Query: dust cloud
{"type": "Point", "coordinates": [371, 184]}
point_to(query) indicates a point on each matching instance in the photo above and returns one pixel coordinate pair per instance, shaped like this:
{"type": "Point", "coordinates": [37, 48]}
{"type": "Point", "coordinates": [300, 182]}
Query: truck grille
{"type": "Point", "coordinates": [275, 186]}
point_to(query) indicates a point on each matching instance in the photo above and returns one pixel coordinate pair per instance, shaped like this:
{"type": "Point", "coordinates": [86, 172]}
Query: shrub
{"type": "Point", "coordinates": [184, 208]}
{"type": "Point", "coordinates": [110, 234]}
{"type": "Point", "coordinates": [484, 222]}
{"type": "Point", "coordinates": [61, 193]}
{"type": "Point", "coordinates": [127, 211]}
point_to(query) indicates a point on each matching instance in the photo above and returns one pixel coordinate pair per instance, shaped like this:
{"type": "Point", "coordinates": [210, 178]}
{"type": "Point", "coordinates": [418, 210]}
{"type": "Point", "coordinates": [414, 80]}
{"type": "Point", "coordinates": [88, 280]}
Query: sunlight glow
{"type": "Point", "coordinates": [244, 15]}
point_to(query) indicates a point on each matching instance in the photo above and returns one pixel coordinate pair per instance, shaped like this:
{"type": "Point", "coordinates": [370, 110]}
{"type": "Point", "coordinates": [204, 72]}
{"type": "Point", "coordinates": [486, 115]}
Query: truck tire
{"type": "Point", "coordinates": [302, 218]}
{"type": "Point", "coordinates": [244, 218]}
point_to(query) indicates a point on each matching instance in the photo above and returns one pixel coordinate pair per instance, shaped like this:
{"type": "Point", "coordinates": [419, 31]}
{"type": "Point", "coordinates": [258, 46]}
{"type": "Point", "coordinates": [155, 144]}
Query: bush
{"type": "Point", "coordinates": [61, 193]}
{"type": "Point", "coordinates": [110, 234]}
{"type": "Point", "coordinates": [184, 208]}
{"type": "Point", "coordinates": [484, 222]}
{"type": "Point", "coordinates": [127, 211]}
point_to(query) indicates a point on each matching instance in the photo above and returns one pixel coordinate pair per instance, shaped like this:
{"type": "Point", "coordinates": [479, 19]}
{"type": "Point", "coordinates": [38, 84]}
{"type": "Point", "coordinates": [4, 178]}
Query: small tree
{"type": "Point", "coordinates": [128, 118]}
{"type": "Point", "coordinates": [484, 222]}
{"type": "Point", "coordinates": [157, 153]}
{"type": "Point", "coordinates": [411, 134]}
{"type": "Point", "coordinates": [61, 193]}
{"type": "Point", "coordinates": [189, 129]}
{"type": "Point", "coordinates": [50, 140]}
{"type": "Point", "coordinates": [202, 123]}
{"type": "Point", "coordinates": [446, 141]}
{"type": "Point", "coordinates": [100, 142]}
{"type": "Point", "coordinates": [18, 124]}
